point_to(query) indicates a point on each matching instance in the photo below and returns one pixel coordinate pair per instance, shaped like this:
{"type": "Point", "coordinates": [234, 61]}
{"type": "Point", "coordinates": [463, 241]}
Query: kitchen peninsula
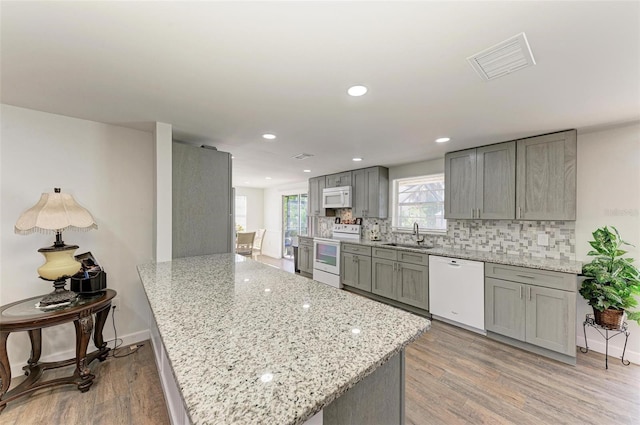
{"type": "Point", "coordinates": [248, 343]}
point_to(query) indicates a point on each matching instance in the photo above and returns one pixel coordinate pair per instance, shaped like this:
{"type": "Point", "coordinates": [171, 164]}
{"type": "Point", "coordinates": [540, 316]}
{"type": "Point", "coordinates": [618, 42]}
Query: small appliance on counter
{"type": "Point", "coordinates": [374, 233]}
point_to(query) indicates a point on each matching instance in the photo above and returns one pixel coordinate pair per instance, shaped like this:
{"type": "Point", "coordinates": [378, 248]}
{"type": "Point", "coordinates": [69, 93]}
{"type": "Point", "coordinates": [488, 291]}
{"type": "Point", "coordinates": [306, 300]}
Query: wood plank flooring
{"type": "Point", "coordinates": [452, 377]}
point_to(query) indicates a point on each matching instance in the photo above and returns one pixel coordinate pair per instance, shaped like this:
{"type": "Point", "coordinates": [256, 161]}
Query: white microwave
{"type": "Point", "coordinates": [336, 197]}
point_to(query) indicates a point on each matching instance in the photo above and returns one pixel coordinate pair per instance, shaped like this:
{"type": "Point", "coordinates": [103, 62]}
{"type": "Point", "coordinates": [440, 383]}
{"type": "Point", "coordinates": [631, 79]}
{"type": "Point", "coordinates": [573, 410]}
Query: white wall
{"type": "Point", "coordinates": [272, 244]}
{"type": "Point", "coordinates": [109, 170]}
{"type": "Point", "coordinates": [255, 207]}
{"type": "Point", "coordinates": [609, 195]}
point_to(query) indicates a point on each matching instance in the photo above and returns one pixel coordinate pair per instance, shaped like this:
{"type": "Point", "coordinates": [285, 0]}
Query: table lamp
{"type": "Point", "coordinates": [54, 213]}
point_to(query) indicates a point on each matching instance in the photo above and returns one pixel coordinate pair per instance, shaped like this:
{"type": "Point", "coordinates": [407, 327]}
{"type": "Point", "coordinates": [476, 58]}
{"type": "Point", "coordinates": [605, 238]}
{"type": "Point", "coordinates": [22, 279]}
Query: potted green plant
{"type": "Point", "coordinates": [611, 280]}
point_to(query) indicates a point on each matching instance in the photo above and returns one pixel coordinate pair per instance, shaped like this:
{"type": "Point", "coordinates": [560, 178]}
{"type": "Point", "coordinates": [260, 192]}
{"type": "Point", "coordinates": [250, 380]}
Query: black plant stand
{"type": "Point", "coordinates": [591, 321]}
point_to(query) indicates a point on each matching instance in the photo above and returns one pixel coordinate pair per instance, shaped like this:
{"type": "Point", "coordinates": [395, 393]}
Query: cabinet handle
{"type": "Point", "coordinates": [520, 291]}
{"type": "Point", "coordinates": [529, 288]}
{"type": "Point", "coordinates": [478, 212]}
{"type": "Point", "coordinates": [525, 276]}
{"type": "Point", "coordinates": [473, 213]}
{"type": "Point", "coordinates": [519, 213]}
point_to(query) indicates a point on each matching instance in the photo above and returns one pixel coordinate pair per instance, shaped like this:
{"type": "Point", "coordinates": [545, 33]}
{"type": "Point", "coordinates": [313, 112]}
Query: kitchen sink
{"type": "Point", "coordinates": [407, 245]}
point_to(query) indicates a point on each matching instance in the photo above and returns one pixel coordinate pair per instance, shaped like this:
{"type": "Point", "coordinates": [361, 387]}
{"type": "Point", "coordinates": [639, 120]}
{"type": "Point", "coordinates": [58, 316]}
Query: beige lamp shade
{"type": "Point", "coordinates": [53, 213]}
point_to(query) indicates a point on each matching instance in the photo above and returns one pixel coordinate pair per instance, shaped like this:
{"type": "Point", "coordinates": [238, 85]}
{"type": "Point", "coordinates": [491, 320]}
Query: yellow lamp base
{"type": "Point", "coordinates": [59, 265]}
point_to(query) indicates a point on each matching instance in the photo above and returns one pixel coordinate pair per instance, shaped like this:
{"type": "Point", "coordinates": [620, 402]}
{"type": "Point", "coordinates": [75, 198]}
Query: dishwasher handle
{"type": "Point", "coordinates": [453, 263]}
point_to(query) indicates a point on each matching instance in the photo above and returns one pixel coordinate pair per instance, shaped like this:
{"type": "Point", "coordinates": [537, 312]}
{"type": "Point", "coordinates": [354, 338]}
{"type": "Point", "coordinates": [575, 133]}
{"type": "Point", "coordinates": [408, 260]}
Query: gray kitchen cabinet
{"type": "Point", "coordinates": [546, 180]}
{"type": "Point", "coordinates": [413, 285]}
{"type": "Point", "coordinates": [305, 256]}
{"type": "Point", "coordinates": [406, 282]}
{"type": "Point", "coordinates": [383, 277]}
{"type": "Point", "coordinates": [338, 179]}
{"type": "Point", "coordinates": [314, 201]}
{"type": "Point", "coordinates": [533, 306]}
{"type": "Point", "coordinates": [370, 194]}
{"type": "Point", "coordinates": [480, 182]}
{"type": "Point", "coordinates": [356, 271]}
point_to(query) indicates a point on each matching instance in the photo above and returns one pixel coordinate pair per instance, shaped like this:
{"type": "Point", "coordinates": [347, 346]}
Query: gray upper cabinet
{"type": "Point", "coordinates": [546, 182]}
{"type": "Point", "coordinates": [496, 181]}
{"type": "Point", "coordinates": [480, 183]}
{"type": "Point", "coordinates": [338, 179]}
{"type": "Point", "coordinates": [370, 195]}
{"type": "Point", "coordinates": [314, 202]}
{"type": "Point", "coordinates": [460, 184]}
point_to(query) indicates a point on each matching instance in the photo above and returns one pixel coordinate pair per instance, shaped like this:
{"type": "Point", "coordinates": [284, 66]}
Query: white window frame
{"type": "Point", "coordinates": [395, 204]}
{"type": "Point", "coordinates": [241, 219]}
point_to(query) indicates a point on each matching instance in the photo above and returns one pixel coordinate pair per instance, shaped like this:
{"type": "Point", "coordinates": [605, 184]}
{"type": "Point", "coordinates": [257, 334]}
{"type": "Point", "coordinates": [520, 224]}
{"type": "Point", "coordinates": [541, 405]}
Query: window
{"type": "Point", "coordinates": [421, 200]}
{"type": "Point", "coordinates": [241, 213]}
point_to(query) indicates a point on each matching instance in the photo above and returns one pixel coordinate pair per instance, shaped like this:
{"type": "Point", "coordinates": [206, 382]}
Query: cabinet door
{"type": "Point", "coordinates": [303, 259]}
{"type": "Point", "coordinates": [383, 276]}
{"type": "Point", "coordinates": [314, 201]}
{"type": "Point", "coordinates": [551, 319]}
{"type": "Point", "coordinates": [546, 182]}
{"type": "Point", "coordinates": [496, 181]}
{"type": "Point", "coordinates": [364, 272]}
{"type": "Point", "coordinates": [360, 193]}
{"type": "Point", "coordinates": [349, 270]}
{"type": "Point", "coordinates": [460, 184]}
{"type": "Point", "coordinates": [370, 192]}
{"type": "Point", "coordinates": [413, 285]}
{"type": "Point", "coordinates": [338, 179]}
{"type": "Point", "coordinates": [504, 311]}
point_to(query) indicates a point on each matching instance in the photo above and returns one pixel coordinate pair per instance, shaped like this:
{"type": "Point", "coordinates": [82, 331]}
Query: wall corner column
{"type": "Point", "coordinates": [162, 241]}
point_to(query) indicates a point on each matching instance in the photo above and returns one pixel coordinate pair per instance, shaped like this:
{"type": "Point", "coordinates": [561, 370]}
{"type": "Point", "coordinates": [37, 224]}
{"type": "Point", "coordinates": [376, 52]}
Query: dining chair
{"type": "Point", "coordinates": [257, 243]}
{"type": "Point", "coordinates": [244, 243]}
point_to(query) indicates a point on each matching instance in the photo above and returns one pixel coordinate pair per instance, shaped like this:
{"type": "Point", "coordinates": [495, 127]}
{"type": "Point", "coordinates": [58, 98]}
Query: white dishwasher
{"type": "Point", "coordinates": [456, 291]}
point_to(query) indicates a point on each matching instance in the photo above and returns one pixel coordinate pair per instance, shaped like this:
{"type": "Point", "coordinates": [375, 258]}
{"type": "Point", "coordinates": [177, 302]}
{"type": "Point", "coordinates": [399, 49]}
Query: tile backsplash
{"type": "Point", "coordinates": [513, 237]}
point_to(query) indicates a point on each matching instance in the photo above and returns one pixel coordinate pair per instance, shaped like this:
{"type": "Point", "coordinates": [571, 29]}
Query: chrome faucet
{"type": "Point", "coordinates": [416, 231]}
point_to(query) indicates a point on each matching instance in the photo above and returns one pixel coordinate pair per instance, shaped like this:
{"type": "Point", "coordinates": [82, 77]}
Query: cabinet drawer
{"type": "Point", "coordinates": [386, 253]}
{"type": "Point", "coordinates": [546, 278]}
{"type": "Point", "coordinates": [413, 258]}
{"type": "Point", "coordinates": [305, 241]}
{"type": "Point", "coordinates": [356, 249]}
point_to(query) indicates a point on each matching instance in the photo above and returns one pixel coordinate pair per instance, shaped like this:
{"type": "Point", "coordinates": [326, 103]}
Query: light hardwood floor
{"type": "Point", "coordinates": [452, 377]}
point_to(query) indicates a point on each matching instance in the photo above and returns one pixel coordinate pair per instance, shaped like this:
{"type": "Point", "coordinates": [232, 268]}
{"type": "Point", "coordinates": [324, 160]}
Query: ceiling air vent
{"type": "Point", "coordinates": [302, 156]}
{"type": "Point", "coordinates": [503, 58]}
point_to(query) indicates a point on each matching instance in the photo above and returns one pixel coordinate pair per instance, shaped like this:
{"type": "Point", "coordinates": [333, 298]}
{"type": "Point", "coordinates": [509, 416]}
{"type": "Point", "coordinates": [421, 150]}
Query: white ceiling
{"type": "Point", "coordinates": [223, 73]}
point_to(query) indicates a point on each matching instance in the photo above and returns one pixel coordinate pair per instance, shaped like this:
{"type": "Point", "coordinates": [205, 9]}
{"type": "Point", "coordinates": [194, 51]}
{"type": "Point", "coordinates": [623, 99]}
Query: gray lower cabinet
{"type": "Point", "coordinates": [314, 201]}
{"type": "Point", "coordinates": [370, 195]}
{"type": "Point", "coordinates": [355, 266]}
{"type": "Point", "coordinates": [305, 255]}
{"type": "Point", "coordinates": [406, 282]}
{"type": "Point", "coordinates": [546, 181]}
{"type": "Point", "coordinates": [533, 306]}
{"type": "Point", "coordinates": [480, 182]}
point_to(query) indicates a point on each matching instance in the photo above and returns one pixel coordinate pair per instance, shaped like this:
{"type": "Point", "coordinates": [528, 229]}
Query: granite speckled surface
{"type": "Point", "coordinates": [229, 323]}
{"type": "Point", "coordinates": [566, 266]}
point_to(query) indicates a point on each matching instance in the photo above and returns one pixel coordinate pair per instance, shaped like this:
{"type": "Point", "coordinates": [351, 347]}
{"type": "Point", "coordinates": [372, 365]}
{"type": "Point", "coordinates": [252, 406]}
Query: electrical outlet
{"type": "Point", "coordinates": [115, 303]}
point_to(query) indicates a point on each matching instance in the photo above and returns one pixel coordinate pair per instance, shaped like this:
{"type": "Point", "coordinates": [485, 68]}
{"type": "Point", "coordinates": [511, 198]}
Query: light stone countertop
{"type": "Point", "coordinates": [227, 322]}
{"type": "Point", "coordinates": [566, 266]}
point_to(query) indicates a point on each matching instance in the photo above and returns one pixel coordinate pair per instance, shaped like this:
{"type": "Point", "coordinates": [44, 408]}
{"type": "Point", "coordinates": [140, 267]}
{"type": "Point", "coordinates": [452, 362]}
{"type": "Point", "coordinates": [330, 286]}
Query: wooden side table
{"type": "Point", "coordinates": [24, 316]}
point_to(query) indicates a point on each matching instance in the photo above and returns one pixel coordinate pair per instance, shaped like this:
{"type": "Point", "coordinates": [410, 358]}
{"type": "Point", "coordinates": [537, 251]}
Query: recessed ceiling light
{"type": "Point", "coordinates": [306, 171]}
{"type": "Point", "coordinates": [357, 91]}
{"type": "Point", "coordinates": [233, 157]}
{"type": "Point", "coordinates": [268, 178]}
{"type": "Point", "coordinates": [442, 140]}
{"type": "Point", "coordinates": [268, 136]}
{"type": "Point", "coordinates": [357, 159]}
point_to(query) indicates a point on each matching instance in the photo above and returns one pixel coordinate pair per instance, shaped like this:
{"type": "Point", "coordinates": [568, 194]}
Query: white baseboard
{"type": "Point", "coordinates": [614, 351]}
{"type": "Point", "coordinates": [132, 338]}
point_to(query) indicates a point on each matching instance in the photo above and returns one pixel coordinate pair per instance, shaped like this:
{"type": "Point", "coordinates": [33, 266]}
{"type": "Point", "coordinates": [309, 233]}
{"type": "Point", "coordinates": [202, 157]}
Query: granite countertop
{"type": "Point", "coordinates": [566, 266]}
{"type": "Point", "coordinates": [229, 324]}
